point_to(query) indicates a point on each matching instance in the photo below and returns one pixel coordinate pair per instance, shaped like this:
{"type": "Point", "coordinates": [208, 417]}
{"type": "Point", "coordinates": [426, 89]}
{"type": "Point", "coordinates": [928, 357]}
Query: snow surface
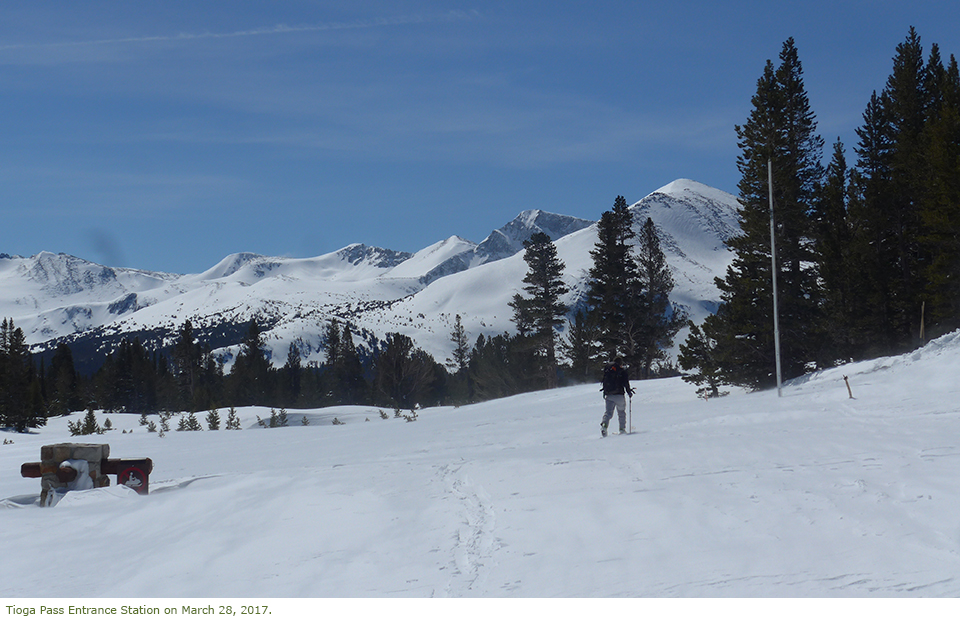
{"type": "Point", "coordinates": [811, 495]}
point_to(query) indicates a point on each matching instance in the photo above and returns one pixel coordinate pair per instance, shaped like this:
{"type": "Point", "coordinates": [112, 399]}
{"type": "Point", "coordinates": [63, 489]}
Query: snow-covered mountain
{"type": "Point", "coordinates": [60, 297]}
{"type": "Point", "coordinates": [507, 241]}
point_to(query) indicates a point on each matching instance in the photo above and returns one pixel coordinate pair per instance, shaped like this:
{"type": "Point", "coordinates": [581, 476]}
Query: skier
{"type": "Point", "coordinates": [615, 384]}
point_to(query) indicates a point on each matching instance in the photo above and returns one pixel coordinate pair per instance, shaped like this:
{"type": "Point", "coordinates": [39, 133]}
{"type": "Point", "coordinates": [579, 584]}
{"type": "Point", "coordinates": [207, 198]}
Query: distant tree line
{"type": "Point", "coordinates": [21, 401]}
{"type": "Point", "coordinates": [868, 256]}
{"type": "Point", "coordinates": [624, 312]}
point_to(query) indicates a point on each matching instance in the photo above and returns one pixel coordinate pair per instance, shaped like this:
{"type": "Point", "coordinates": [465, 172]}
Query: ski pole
{"type": "Point", "coordinates": [630, 425]}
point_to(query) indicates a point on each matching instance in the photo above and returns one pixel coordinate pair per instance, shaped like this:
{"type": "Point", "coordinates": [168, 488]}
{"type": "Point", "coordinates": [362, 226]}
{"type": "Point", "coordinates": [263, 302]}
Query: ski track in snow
{"type": "Point", "coordinates": [474, 542]}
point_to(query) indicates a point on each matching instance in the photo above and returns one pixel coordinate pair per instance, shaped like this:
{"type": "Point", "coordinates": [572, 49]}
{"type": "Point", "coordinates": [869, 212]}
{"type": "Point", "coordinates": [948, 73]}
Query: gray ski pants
{"type": "Point", "coordinates": [619, 402]}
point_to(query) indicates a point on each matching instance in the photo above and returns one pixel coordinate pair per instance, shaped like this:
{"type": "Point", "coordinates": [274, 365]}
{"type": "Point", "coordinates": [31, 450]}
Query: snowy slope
{"type": "Point", "coordinates": [809, 495]}
{"type": "Point", "coordinates": [507, 241]}
{"type": "Point", "coordinates": [692, 220]}
{"type": "Point", "coordinates": [432, 257]}
{"type": "Point", "coordinates": [376, 290]}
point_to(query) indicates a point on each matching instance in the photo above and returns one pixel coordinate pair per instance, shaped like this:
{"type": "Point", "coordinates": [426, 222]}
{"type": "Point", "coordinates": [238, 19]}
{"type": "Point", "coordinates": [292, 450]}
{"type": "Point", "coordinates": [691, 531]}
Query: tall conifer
{"type": "Point", "coordinates": [543, 311]}
{"type": "Point", "coordinates": [781, 128]}
{"type": "Point", "coordinates": [907, 102]}
{"type": "Point", "coordinates": [941, 211]}
{"type": "Point", "coordinates": [833, 236]}
{"type": "Point", "coordinates": [352, 386]}
{"type": "Point", "coordinates": [614, 296]}
{"type": "Point", "coordinates": [662, 320]}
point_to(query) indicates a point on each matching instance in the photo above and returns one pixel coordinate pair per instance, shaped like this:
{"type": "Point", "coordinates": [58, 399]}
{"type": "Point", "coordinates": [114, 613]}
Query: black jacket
{"type": "Point", "coordinates": [615, 380]}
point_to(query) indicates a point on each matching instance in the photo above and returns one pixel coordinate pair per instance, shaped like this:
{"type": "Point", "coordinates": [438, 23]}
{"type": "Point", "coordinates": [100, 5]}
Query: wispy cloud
{"type": "Point", "coordinates": [279, 29]}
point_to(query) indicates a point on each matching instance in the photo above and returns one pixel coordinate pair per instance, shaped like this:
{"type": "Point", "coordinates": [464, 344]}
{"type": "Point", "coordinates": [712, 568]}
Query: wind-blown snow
{"type": "Point", "coordinates": [810, 495]}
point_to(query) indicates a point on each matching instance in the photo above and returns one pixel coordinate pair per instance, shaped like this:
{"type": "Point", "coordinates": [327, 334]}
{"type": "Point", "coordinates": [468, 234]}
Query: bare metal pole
{"type": "Point", "coordinates": [773, 271]}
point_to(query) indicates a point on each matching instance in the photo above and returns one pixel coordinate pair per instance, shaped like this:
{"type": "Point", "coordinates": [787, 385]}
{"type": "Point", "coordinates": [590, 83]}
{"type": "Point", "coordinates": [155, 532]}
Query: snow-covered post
{"type": "Point", "coordinates": [847, 382]}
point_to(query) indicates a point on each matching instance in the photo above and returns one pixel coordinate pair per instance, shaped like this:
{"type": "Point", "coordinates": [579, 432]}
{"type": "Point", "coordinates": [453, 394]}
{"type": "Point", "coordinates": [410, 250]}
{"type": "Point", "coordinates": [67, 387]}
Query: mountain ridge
{"type": "Point", "coordinates": [58, 298]}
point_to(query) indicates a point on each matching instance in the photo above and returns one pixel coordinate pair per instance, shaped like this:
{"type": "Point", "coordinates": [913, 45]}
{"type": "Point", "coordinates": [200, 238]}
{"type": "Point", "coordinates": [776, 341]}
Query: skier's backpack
{"type": "Point", "coordinates": [611, 379]}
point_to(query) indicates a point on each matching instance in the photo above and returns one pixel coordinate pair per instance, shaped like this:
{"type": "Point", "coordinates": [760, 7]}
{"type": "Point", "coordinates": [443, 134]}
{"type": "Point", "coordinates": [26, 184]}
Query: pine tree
{"type": "Point", "coordinates": [781, 128]}
{"type": "Point", "coordinates": [192, 423]}
{"type": "Point", "coordinates": [461, 347]}
{"type": "Point", "coordinates": [213, 420]}
{"type": "Point", "coordinates": [233, 421]}
{"type": "Point", "coordinates": [292, 373]}
{"type": "Point", "coordinates": [662, 320]}
{"type": "Point", "coordinates": [343, 379]}
{"type": "Point", "coordinates": [331, 338]}
{"type": "Point", "coordinates": [330, 379]}
{"type": "Point", "coordinates": [838, 272]}
{"type": "Point", "coordinates": [187, 364]}
{"type": "Point", "coordinates": [211, 384]}
{"type": "Point", "coordinates": [461, 384]}
{"type": "Point", "coordinates": [63, 382]}
{"type": "Point", "coordinates": [614, 296]}
{"type": "Point", "coordinates": [165, 422]}
{"type": "Point", "coordinates": [402, 372]}
{"type": "Point", "coordinates": [21, 406]}
{"type": "Point", "coordinates": [698, 353]}
{"type": "Point", "coordinates": [907, 100]}
{"type": "Point", "coordinates": [90, 426]}
{"type": "Point", "coordinates": [872, 249]}
{"type": "Point", "coordinates": [128, 380]}
{"type": "Point", "coordinates": [905, 202]}
{"type": "Point", "coordinates": [349, 373]}
{"type": "Point", "coordinates": [941, 212]}
{"type": "Point", "coordinates": [542, 312]}
{"type": "Point", "coordinates": [272, 422]}
{"type": "Point", "coordinates": [250, 375]}
{"type": "Point", "coordinates": [499, 366]}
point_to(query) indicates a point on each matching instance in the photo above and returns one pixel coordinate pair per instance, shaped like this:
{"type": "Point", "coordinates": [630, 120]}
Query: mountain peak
{"type": "Point", "coordinates": [64, 274]}
{"type": "Point", "coordinates": [680, 188]}
{"type": "Point", "coordinates": [508, 239]}
{"type": "Point", "coordinates": [690, 215]}
{"type": "Point", "coordinates": [356, 254]}
{"type": "Point", "coordinates": [230, 264]}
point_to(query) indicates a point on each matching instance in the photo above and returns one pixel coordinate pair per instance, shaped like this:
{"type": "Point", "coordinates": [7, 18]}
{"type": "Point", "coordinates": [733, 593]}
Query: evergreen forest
{"type": "Point", "coordinates": [867, 257]}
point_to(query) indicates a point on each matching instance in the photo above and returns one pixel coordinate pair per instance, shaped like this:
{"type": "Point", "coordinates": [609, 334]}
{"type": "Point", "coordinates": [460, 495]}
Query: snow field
{"type": "Point", "coordinates": [808, 495]}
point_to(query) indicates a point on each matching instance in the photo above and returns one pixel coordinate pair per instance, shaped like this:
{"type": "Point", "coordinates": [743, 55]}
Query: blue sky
{"type": "Point", "coordinates": [167, 135]}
